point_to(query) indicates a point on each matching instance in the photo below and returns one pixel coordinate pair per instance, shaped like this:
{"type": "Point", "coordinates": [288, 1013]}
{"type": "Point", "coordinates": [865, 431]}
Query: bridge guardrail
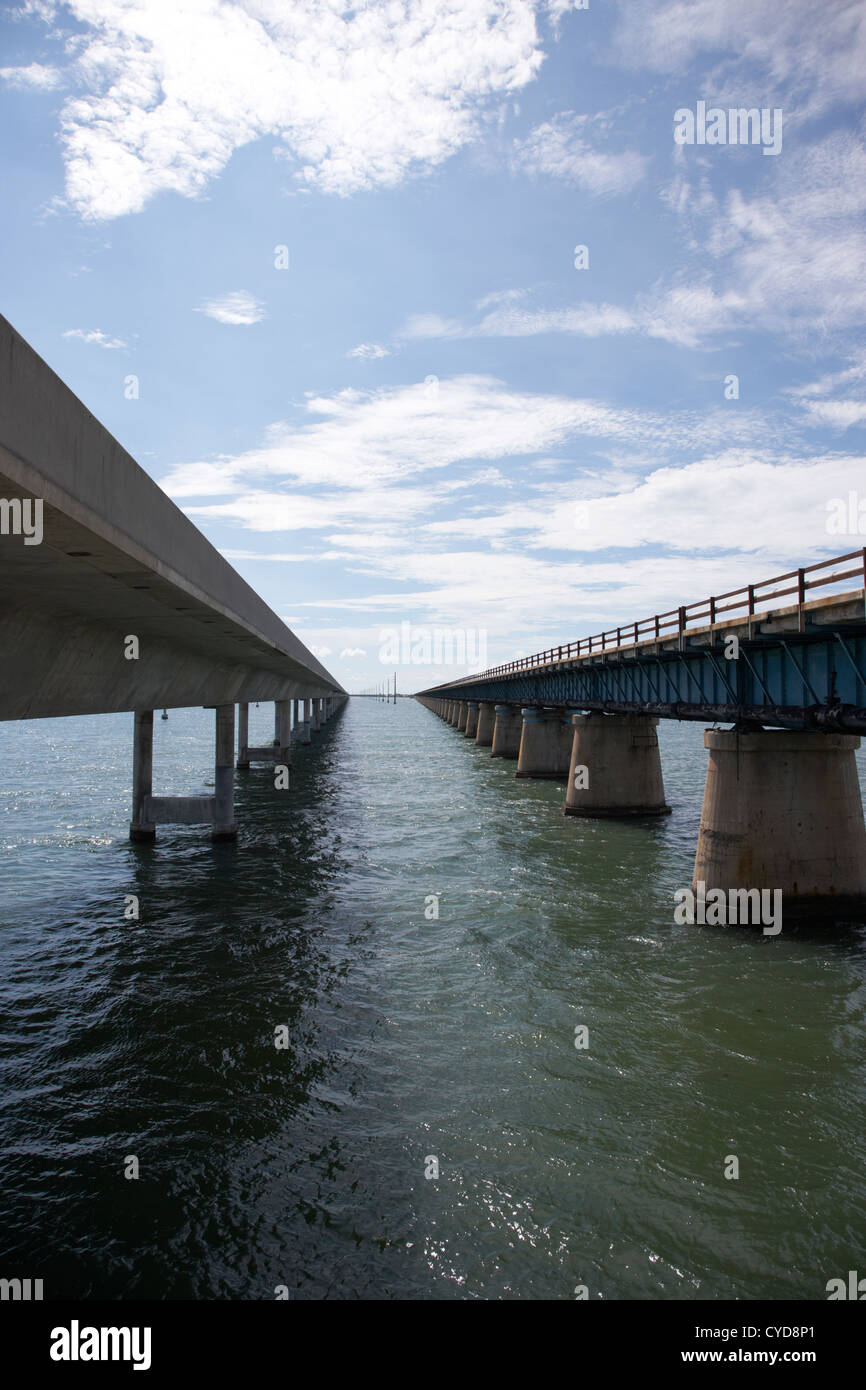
{"type": "Point", "coordinates": [675, 622]}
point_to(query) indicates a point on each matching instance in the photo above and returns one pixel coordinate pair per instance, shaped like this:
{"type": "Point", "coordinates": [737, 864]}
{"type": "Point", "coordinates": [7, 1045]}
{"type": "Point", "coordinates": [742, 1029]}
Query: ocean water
{"type": "Point", "coordinates": [410, 1036]}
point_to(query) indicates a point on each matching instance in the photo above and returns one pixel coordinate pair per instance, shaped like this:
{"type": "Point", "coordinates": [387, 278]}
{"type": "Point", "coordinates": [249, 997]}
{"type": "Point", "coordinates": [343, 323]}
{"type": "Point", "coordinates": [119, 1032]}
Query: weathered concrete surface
{"type": "Point", "coordinates": [783, 810]}
{"type": "Point", "coordinates": [486, 721]}
{"type": "Point", "coordinates": [615, 767]}
{"type": "Point", "coordinates": [507, 731]}
{"type": "Point", "coordinates": [118, 558]}
{"type": "Point", "coordinates": [545, 744]}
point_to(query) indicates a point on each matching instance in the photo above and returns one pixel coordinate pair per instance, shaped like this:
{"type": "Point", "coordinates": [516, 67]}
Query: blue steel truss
{"type": "Point", "coordinates": [811, 680]}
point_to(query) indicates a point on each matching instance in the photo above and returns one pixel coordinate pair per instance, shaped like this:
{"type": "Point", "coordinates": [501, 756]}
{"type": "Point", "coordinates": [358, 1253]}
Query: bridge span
{"type": "Point", "coordinates": [782, 805]}
{"type": "Point", "coordinates": [111, 599]}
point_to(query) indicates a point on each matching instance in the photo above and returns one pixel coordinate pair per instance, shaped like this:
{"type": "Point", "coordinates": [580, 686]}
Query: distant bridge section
{"type": "Point", "coordinates": [114, 558]}
{"type": "Point", "coordinates": [739, 656]}
{"type": "Point", "coordinates": [782, 817]}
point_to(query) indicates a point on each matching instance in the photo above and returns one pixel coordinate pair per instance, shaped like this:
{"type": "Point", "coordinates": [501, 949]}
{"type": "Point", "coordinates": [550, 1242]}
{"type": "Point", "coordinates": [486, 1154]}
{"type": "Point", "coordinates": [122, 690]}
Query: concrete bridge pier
{"type": "Point", "coordinates": [148, 810]}
{"type": "Point", "coordinates": [315, 721]}
{"type": "Point", "coordinates": [453, 713]}
{"type": "Point", "coordinates": [507, 731]}
{"type": "Point", "coordinates": [615, 767]}
{"type": "Point", "coordinates": [224, 827]}
{"type": "Point", "coordinates": [141, 829]}
{"type": "Point", "coordinates": [462, 715]}
{"type": "Point", "coordinates": [782, 810]}
{"type": "Point", "coordinates": [243, 736]}
{"type": "Point", "coordinates": [471, 719]}
{"type": "Point", "coordinates": [278, 752]}
{"type": "Point", "coordinates": [486, 720]}
{"type": "Point", "coordinates": [284, 735]}
{"type": "Point", "coordinates": [546, 742]}
{"type": "Point", "coordinates": [303, 728]}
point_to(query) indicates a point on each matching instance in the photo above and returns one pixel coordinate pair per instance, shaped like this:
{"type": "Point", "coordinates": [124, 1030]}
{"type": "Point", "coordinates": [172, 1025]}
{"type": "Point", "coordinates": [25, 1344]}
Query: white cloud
{"type": "Point", "coordinates": [557, 9]}
{"type": "Point", "coordinates": [560, 149]}
{"type": "Point", "coordinates": [360, 97]}
{"type": "Point", "coordinates": [786, 261]}
{"type": "Point", "coordinates": [584, 321]}
{"type": "Point", "coordinates": [96, 336]}
{"type": "Point", "coordinates": [840, 415]}
{"type": "Point", "coordinates": [778, 50]}
{"type": "Point", "coordinates": [822, 408]}
{"type": "Point", "coordinates": [646, 549]}
{"type": "Point", "coordinates": [352, 651]}
{"type": "Point", "coordinates": [832, 381]}
{"type": "Point", "coordinates": [368, 352]}
{"type": "Point", "coordinates": [373, 446]}
{"type": "Point", "coordinates": [36, 76]}
{"type": "Point", "coordinates": [235, 308]}
{"type": "Point", "coordinates": [685, 315]}
{"type": "Point", "coordinates": [652, 531]}
{"type": "Point", "coordinates": [432, 326]}
{"type": "Point", "coordinates": [283, 556]}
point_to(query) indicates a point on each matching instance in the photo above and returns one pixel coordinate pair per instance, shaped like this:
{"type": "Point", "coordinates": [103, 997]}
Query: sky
{"type": "Point", "coordinates": [430, 315]}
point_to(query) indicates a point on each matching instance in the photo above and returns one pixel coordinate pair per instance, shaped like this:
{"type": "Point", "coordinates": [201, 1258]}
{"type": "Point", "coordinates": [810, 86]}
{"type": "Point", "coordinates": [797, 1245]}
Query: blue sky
{"type": "Point", "coordinates": [430, 415]}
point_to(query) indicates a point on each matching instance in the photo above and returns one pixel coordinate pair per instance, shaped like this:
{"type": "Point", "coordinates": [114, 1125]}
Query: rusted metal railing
{"type": "Point", "coordinates": [676, 622]}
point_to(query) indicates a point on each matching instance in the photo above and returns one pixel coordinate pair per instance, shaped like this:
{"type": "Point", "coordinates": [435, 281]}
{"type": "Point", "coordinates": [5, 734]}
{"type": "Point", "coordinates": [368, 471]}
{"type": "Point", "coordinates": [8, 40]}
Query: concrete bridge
{"type": "Point", "coordinates": [782, 805]}
{"type": "Point", "coordinates": [111, 599]}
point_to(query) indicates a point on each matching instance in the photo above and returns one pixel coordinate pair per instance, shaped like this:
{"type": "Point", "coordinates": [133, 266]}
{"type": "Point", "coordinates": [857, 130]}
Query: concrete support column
{"type": "Point", "coordinates": [284, 732]}
{"type": "Point", "coordinates": [507, 730]}
{"type": "Point", "coordinates": [302, 733]}
{"type": "Point", "coordinates": [545, 744]}
{"type": "Point", "coordinates": [140, 828]}
{"type": "Point", "coordinates": [486, 721]}
{"type": "Point", "coordinates": [615, 768]}
{"type": "Point", "coordinates": [298, 717]}
{"type": "Point", "coordinates": [224, 827]}
{"type": "Point", "coordinates": [314, 715]}
{"type": "Point", "coordinates": [462, 713]}
{"type": "Point", "coordinates": [782, 809]}
{"type": "Point", "coordinates": [471, 719]}
{"type": "Point", "coordinates": [243, 735]}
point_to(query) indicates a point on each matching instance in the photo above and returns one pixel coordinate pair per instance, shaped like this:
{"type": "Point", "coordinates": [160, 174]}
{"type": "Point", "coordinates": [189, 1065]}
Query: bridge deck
{"type": "Point", "coordinates": [118, 558]}
{"type": "Point", "coordinates": [802, 665]}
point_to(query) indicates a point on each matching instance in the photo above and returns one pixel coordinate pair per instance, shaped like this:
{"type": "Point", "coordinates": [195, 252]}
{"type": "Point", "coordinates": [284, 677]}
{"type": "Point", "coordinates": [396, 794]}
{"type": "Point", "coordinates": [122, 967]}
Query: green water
{"type": "Point", "coordinates": [410, 1036]}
